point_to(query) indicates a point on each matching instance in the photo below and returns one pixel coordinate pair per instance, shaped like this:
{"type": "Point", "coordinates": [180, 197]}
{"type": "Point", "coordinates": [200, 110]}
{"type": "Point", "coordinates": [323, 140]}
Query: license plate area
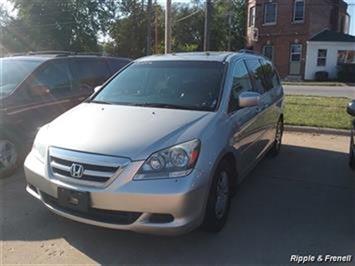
{"type": "Point", "coordinates": [74, 200]}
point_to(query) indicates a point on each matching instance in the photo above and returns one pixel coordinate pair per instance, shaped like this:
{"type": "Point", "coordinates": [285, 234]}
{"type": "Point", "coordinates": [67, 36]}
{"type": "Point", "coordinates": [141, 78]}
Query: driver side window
{"type": "Point", "coordinates": [52, 80]}
{"type": "Point", "coordinates": [241, 83]}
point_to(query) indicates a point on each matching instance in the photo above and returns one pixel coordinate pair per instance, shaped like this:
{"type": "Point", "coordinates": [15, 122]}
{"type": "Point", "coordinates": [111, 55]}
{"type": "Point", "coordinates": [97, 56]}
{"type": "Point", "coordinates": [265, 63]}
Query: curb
{"type": "Point", "coordinates": [318, 130]}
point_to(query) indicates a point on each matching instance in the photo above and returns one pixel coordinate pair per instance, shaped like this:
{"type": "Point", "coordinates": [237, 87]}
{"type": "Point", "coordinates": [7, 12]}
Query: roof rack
{"type": "Point", "coordinates": [51, 52]}
{"type": "Point", "coordinates": [246, 51]}
{"type": "Point", "coordinates": [59, 53]}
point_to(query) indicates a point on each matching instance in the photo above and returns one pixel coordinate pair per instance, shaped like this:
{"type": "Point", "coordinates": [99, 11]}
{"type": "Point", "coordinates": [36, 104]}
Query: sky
{"type": "Point", "coordinates": [351, 10]}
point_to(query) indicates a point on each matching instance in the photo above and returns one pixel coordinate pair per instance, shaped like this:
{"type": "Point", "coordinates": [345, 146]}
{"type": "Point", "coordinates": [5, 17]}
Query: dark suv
{"type": "Point", "coordinates": [37, 87]}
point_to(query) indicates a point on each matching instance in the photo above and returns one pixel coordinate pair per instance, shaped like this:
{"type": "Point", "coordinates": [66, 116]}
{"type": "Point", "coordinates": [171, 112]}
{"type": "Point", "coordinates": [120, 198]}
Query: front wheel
{"type": "Point", "coordinates": [276, 146]}
{"type": "Point", "coordinates": [219, 199]}
{"type": "Point", "coordinates": [9, 157]}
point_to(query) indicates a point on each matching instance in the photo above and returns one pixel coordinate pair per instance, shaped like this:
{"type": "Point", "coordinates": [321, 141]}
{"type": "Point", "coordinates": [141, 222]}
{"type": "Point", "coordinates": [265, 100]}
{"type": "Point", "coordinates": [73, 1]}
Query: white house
{"type": "Point", "coordinates": [326, 50]}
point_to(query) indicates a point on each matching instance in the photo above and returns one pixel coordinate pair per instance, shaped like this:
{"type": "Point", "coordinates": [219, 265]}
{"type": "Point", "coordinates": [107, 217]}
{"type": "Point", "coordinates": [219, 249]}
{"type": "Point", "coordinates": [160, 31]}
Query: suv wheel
{"type": "Point", "coordinates": [219, 199]}
{"type": "Point", "coordinates": [9, 157]}
{"type": "Point", "coordinates": [276, 147]}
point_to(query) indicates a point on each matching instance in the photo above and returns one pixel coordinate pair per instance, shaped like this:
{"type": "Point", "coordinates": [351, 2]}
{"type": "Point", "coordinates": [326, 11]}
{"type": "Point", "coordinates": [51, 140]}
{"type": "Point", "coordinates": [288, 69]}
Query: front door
{"type": "Point", "coordinates": [244, 122]}
{"type": "Point", "coordinates": [44, 95]}
{"type": "Point", "coordinates": [295, 59]}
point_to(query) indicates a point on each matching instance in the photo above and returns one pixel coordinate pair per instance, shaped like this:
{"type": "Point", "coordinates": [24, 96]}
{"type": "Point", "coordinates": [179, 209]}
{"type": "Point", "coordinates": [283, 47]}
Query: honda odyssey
{"type": "Point", "coordinates": [161, 147]}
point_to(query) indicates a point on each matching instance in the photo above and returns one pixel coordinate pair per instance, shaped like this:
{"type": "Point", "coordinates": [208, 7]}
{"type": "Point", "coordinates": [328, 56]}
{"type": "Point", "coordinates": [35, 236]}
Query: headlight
{"type": "Point", "coordinates": [39, 148]}
{"type": "Point", "coordinates": [177, 161]}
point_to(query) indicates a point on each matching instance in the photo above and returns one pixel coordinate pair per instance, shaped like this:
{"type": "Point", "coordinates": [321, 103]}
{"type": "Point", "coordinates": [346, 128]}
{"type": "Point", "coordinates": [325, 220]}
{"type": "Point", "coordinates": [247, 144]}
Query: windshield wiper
{"type": "Point", "coordinates": [166, 105]}
{"type": "Point", "coordinates": [100, 102]}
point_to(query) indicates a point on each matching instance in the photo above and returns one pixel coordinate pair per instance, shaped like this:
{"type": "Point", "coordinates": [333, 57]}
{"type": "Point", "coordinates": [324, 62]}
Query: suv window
{"type": "Point", "coordinates": [54, 76]}
{"type": "Point", "coordinates": [89, 73]}
{"type": "Point", "coordinates": [257, 74]}
{"type": "Point", "coordinates": [116, 64]}
{"type": "Point", "coordinates": [241, 83]}
{"type": "Point", "coordinates": [272, 79]}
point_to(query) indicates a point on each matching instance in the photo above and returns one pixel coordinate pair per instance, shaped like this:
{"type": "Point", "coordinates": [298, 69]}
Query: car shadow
{"type": "Point", "coordinates": [301, 202]}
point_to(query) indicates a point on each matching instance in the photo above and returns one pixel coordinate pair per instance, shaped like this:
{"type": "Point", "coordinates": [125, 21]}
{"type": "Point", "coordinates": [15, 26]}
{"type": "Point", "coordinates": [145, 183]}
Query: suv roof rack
{"type": "Point", "coordinates": [51, 52]}
{"type": "Point", "coordinates": [60, 53]}
{"type": "Point", "coordinates": [246, 51]}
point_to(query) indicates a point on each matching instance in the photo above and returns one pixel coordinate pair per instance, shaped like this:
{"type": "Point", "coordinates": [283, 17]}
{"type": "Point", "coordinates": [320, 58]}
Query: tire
{"type": "Point", "coordinates": [10, 156]}
{"type": "Point", "coordinates": [219, 199]}
{"type": "Point", "coordinates": [276, 146]}
{"type": "Point", "coordinates": [351, 154]}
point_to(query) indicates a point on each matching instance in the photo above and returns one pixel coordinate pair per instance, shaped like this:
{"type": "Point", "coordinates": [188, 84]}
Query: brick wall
{"type": "Point", "coordinates": [319, 15]}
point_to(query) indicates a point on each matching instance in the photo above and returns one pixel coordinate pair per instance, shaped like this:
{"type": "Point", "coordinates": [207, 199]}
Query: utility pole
{"type": "Point", "coordinates": [156, 31]}
{"type": "Point", "coordinates": [229, 30]}
{"type": "Point", "coordinates": [206, 39]}
{"type": "Point", "coordinates": [168, 27]}
{"type": "Point", "coordinates": [149, 27]}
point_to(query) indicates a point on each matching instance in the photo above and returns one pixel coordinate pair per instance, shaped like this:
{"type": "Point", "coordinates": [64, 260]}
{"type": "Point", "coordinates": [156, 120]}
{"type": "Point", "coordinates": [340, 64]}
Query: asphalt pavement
{"type": "Point", "coordinates": [300, 203]}
{"type": "Point", "coordinates": [330, 91]}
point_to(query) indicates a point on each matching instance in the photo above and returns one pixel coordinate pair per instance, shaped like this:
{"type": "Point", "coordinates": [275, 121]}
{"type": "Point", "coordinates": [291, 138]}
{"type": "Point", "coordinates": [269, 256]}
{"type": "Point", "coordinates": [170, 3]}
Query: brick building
{"type": "Point", "coordinates": [280, 29]}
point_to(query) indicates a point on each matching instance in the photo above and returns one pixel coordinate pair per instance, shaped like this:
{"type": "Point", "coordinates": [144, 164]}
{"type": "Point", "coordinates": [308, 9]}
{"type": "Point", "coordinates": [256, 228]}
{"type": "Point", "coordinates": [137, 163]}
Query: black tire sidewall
{"type": "Point", "coordinates": [19, 158]}
{"type": "Point", "coordinates": [275, 150]}
{"type": "Point", "coordinates": [211, 223]}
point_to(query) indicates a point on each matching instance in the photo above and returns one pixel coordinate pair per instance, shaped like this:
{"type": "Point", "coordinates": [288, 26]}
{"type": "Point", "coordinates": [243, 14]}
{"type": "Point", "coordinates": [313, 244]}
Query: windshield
{"type": "Point", "coordinates": [13, 72]}
{"type": "Point", "coordinates": [193, 85]}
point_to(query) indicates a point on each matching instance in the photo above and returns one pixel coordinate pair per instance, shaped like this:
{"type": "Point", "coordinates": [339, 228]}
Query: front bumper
{"type": "Point", "coordinates": [181, 199]}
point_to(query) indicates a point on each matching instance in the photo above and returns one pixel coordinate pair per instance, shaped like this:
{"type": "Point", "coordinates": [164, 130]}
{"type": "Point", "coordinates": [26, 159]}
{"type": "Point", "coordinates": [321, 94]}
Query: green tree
{"type": "Point", "coordinates": [129, 31]}
{"type": "Point", "coordinates": [60, 24]}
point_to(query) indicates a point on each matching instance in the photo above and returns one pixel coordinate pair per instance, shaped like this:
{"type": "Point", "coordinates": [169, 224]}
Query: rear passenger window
{"type": "Point", "coordinates": [89, 73]}
{"type": "Point", "coordinates": [271, 77]}
{"type": "Point", "coordinates": [241, 83]}
{"type": "Point", "coordinates": [268, 72]}
{"type": "Point", "coordinates": [257, 74]}
{"type": "Point", "coordinates": [55, 76]}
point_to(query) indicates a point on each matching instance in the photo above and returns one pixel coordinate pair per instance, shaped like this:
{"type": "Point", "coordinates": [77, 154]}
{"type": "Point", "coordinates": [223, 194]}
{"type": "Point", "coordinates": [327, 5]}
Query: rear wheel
{"type": "Point", "coordinates": [9, 156]}
{"type": "Point", "coordinates": [219, 199]}
{"type": "Point", "coordinates": [276, 147]}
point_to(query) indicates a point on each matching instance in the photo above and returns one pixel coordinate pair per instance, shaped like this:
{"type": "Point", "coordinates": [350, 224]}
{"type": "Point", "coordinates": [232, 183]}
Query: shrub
{"type": "Point", "coordinates": [322, 76]}
{"type": "Point", "coordinates": [346, 72]}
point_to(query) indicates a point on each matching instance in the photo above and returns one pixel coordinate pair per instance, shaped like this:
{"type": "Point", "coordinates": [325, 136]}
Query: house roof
{"type": "Point", "coordinates": [332, 36]}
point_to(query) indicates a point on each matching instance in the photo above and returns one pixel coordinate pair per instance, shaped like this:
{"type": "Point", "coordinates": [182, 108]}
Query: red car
{"type": "Point", "coordinates": [36, 88]}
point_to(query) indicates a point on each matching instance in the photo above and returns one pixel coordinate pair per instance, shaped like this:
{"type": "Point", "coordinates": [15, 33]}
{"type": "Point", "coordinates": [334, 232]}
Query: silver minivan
{"type": "Point", "coordinates": [162, 146]}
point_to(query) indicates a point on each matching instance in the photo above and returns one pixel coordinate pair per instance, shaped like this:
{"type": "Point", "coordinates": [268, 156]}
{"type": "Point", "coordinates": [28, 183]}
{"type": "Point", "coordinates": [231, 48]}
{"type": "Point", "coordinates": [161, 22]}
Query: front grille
{"type": "Point", "coordinates": [96, 169]}
{"type": "Point", "coordinates": [99, 215]}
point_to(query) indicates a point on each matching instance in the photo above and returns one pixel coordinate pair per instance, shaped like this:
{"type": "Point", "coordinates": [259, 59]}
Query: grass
{"type": "Point", "coordinates": [314, 83]}
{"type": "Point", "coordinates": [313, 111]}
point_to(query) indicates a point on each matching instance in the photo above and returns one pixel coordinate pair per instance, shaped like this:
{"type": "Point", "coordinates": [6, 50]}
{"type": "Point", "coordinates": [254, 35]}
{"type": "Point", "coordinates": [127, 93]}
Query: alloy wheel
{"type": "Point", "coordinates": [222, 194]}
{"type": "Point", "coordinates": [279, 133]}
{"type": "Point", "coordinates": [8, 155]}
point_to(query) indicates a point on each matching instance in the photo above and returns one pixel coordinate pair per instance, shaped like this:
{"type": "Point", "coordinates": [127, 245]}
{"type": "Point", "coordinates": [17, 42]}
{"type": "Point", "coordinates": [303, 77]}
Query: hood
{"type": "Point", "coordinates": [125, 131]}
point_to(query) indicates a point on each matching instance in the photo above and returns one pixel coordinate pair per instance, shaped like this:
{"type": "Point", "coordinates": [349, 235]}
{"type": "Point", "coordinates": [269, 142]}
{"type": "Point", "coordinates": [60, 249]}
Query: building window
{"type": "Point", "coordinates": [298, 11]}
{"type": "Point", "coordinates": [346, 57]}
{"type": "Point", "coordinates": [270, 13]}
{"type": "Point", "coordinates": [252, 16]}
{"type": "Point", "coordinates": [296, 52]}
{"type": "Point", "coordinates": [322, 57]}
{"type": "Point", "coordinates": [268, 51]}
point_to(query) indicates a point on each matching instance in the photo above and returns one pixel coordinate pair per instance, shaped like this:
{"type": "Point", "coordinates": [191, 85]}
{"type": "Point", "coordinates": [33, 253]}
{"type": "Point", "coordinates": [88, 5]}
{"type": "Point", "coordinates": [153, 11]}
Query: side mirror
{"type": "Point", "coordinates": [351, 108]}
{"type": "Point", "coordinates": [248, 99]}
{"type": "Point", "coordinates": [97, 88]}
{"type": "Point", "coordinates": [40, 90]}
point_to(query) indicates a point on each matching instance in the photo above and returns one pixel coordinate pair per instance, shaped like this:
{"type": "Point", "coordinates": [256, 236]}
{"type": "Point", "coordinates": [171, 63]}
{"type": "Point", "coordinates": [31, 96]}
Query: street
{"type": "Point", "coordinates": [300, 203]}
{"type": "Point", "coordinates": [329, 91]}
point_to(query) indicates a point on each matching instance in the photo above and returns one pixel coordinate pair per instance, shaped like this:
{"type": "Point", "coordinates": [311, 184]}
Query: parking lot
{"type": "Point", "coordinates": [302, 202]}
